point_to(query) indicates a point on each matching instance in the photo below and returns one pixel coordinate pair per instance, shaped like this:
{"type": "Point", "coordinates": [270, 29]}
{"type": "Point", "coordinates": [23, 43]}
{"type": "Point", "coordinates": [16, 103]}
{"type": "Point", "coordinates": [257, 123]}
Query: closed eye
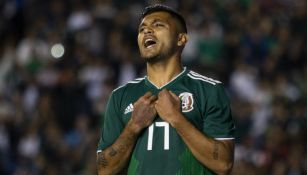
{"type": "Point", "coordinates": [159, 24]}
{"type": "Point", "coordinates": [141, 29]}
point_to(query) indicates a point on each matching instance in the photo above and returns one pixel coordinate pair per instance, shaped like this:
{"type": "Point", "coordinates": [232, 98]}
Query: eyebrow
{"type": "Point", "coordinates": [154, 21]}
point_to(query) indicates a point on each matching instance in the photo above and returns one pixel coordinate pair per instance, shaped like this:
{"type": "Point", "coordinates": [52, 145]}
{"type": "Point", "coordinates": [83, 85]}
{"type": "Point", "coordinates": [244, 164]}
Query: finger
{"type": "Point", "coordinates": [156, 105]}
{"type": "Point", "coordinates": [153, 105]}
{"type": "Point", "coordinates": [173, 95]}
{"type": "Point", "coordinates": [153, 98]}
{"type": "Point", "coordinates": [147, 94]}
{"type": "Point", "coordinates": [163, 92]}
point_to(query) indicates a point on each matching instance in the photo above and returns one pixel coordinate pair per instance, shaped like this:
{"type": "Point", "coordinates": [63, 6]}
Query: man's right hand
{"type": "Point", "coordinates": [144, 112]}
{"type": "Point", "coordinates": [114, 158]}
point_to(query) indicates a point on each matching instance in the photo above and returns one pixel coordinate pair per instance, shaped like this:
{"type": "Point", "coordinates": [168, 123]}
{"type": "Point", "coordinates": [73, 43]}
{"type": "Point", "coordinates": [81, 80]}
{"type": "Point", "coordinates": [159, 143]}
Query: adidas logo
{"type": "Point", "coordinates": [129, 108]}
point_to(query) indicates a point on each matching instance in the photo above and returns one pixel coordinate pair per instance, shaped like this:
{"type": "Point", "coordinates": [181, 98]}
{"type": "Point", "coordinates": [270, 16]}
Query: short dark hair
{"type": "Point", "coordinates": [163, 8]}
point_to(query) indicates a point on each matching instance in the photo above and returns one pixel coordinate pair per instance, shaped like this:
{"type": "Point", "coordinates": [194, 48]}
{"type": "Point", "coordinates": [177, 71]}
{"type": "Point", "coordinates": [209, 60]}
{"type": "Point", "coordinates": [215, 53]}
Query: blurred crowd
{"type": "Point", "coordinates": [51, 107]}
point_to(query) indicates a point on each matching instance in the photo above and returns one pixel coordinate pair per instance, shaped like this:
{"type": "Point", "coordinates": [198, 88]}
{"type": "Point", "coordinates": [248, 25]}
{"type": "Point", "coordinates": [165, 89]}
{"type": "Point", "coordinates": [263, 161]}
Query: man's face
{"type": "Point", "coordinates": [157, 37]}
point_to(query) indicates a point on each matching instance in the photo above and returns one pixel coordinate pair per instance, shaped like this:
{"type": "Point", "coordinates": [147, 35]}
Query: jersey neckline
{"type": "Point", "coordinates": [175, 79]}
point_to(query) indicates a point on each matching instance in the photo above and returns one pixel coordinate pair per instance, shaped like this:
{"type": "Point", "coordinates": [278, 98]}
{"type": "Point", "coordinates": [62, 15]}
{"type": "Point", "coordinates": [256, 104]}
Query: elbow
{"type": "Point", "coordinates": [108, 171]}
{"type": "Point", "coordinates": [105, 171]}
{"type": "Point", "coordinates": [102, 170]}
{"type": "Point", "coordinates": [227, 161]}
{"type": "Point", "coordinates": [103, 165]}
{"type": "Point", "coordinates": [225, 168]}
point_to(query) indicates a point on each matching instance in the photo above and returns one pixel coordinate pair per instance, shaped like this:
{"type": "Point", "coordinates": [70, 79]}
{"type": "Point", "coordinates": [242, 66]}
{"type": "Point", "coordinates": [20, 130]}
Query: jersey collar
{"type": "Point", "coordinates": [176, 78]}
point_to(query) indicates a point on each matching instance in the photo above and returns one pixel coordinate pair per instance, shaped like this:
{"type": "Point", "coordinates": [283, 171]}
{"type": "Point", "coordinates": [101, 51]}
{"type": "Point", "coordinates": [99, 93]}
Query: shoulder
{"type": "Point", "coordinates": [130, 85]}
{"type": "Point", "coordinates": [205, 86]}
{"type": "Point", "coordinates": [202, 79]}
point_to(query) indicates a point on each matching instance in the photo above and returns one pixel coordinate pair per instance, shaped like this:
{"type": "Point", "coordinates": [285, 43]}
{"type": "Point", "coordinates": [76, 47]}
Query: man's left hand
{"type": "Point", "coordinates": [168, 106]}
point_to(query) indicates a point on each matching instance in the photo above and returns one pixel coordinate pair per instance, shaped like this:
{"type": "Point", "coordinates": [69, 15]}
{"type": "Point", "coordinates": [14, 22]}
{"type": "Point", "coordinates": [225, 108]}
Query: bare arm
{"type": "Point", "coordinates": [114, 158]}
{"type": "Point", "coordinates": [215, 155]}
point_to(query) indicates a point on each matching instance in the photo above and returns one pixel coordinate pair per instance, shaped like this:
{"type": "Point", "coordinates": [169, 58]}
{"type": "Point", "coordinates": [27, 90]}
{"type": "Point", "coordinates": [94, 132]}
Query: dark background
{"type": "Point", "coordinates": [51, 108]}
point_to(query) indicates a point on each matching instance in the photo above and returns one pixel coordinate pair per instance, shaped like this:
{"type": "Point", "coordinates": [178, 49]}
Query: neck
{"type": "Point", "coordinates": [163, 72]}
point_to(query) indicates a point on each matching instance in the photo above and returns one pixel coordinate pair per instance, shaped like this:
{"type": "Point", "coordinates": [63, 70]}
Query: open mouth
{"type": "Point", "coordinates": [148, 43]}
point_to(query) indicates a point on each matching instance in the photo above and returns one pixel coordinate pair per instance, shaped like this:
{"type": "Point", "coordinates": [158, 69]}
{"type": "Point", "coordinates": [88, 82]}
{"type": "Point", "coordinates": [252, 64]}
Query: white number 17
{"type": "Point", "coordinates": [151, 132]}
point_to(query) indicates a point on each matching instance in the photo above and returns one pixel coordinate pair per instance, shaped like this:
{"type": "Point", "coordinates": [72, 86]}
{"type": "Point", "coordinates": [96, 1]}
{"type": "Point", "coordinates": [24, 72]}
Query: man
{"type": "Point", "coordinates": [171, 122]}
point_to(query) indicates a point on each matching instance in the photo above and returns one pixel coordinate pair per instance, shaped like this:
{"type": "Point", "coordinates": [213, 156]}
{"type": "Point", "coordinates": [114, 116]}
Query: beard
{"type": "Point", "coordinates": [163, 54]}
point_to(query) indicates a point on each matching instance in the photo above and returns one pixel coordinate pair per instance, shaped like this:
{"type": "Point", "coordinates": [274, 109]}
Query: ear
{"type": "Point", "coordinates": [182, 39]}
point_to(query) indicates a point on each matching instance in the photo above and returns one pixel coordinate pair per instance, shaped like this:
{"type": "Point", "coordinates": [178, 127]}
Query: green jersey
{"type": "Point", "coordinates": [159, 149]}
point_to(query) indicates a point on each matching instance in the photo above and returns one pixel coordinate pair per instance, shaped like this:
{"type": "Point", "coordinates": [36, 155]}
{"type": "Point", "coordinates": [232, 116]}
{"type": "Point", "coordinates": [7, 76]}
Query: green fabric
{"type": "Point", "coordinates": [189, 164]}
{"type": "Point", "coordinates": [204, 104]}
{"type": "Point", "coordinates": [133, 166]}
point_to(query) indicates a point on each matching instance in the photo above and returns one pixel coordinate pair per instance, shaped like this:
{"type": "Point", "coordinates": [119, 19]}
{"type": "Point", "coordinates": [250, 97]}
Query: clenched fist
{"type": "Point", "coordinates": [144, 111]}
{"type": "Point", "coordinates": [168, 106]}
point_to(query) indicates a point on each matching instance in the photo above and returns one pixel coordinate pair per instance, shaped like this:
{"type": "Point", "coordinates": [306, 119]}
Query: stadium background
{"type": "Point", "coordinates": [51, 104]}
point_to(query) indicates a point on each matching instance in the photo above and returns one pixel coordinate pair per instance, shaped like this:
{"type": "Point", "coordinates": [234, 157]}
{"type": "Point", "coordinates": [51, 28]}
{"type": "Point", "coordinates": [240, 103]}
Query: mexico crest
{"type": "Point", "coordinates": [187, 101]}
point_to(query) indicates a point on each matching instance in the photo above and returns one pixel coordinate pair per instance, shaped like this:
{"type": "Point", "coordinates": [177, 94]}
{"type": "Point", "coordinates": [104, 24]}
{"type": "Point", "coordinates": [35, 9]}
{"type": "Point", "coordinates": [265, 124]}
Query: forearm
{"type": "Point", "coordinates": [114, 158]}
{"type": "Point", "coordinates": [215, 155]}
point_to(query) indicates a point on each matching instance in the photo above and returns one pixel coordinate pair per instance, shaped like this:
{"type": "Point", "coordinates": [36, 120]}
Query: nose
{"type": "Point", "coordinates": [148, 30]}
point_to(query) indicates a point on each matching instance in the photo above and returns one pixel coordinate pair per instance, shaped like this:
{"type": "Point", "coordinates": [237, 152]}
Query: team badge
{"type": "Point", "coordinates": [186, 101]}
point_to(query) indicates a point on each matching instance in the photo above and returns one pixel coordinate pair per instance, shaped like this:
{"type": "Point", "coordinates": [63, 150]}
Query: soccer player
{"type": "Point", "coordinates": [171, 122]}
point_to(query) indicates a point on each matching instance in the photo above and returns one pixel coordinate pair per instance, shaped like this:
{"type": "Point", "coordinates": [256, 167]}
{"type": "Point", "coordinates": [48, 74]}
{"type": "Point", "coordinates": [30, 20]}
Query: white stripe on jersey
{"type": "Point", "coordinates": [198, 78]}
{"type": "Point", "coordinates": [184, 68]}
{"type": "Point", "coordinates": [137, 80]}
{"type": "Point", "coordinates": [230, 138]}
{"type": "Point", "coordinates": [133, 82]}
{"type": "Point", "coordinates": [202, 76]}
{"type": "Point", "coordinates": [118, 88]}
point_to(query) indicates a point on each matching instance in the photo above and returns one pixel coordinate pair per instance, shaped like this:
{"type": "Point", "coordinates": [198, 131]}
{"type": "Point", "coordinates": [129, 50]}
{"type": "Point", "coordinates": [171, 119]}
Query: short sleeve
{"type": "Point", "coordinates": [112, 125]}
{"type": "Point", "coordinates": [218, 122]}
